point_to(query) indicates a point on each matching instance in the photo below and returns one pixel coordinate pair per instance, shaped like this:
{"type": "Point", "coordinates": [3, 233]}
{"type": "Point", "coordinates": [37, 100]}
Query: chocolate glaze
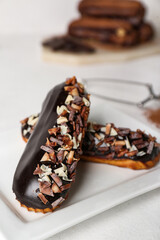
{"type": "Point", "coordinates": [25, 183]}
{"type": "Point", "coordinates": [102, 155]}
{"type": "Point", "coordinates": [105, 35]}
{"type": "Point", "coordinates": [134, 20]}
{"type": "Point", "coordinates": [131, 11]}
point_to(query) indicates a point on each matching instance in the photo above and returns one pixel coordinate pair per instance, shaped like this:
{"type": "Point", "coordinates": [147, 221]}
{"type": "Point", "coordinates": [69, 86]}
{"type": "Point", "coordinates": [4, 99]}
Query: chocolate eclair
{"type": "Point", "coordinates": [121, 147]}
{"type": "Point", "coordinates": [109, 31]}
{"type": "Point", "coordinates": [47, 167]}
{"type": "Point", "coordinates": [116, 146]}
{"type": "Point", "coordinates": [131, 11]}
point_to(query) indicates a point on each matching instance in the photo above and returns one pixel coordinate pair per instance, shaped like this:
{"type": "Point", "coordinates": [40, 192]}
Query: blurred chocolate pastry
{"type": "Point", "coordinates": [47, 168]}
{"type": "Point", "coordinates": [131, 11]}
{"type": "Point", "coordinates": [103, 25]}
{"type": "Point", "coordinates": [67, 44]}
{"type": "Point", "coordinates": [119, 146]}
{"type": "Point", "coordinates": [146, 32]}
{"type": "Point", "coordinates": [113, 31]}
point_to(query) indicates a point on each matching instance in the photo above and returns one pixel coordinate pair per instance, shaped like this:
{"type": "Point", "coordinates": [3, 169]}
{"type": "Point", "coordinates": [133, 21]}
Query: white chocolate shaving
{"type": "Point", "coordinates": [43, 178]}
{"type": "Point", "coordinates": [68, 99]}
{"type": "Point", "coordinates": [121, 138]}
{"type": "Point", "coordinates": [47, 170]}
{"type": "Point", "coordinates": [128, 146]}
{"type": "Point", "coordinates": [61, 109]}
{"type": "Point", "coordinates": [63, 129]}
{"type": "Point", "coordinates": [25, 131]}
{"type": "Point", "coordinates": [86, 102]}
{"type": "Point", "coordinates": [103, 129]}
{"type": "Point", "coordinates": [32, 120]}
{"type": "Point", "coordinates": [133, 148]}
{"type": "Point", "coordinates": [113, 132]}
{"type": "Point", "coordinates": [140, 154]}
{"type": "Point", "coordinates": [80, 137]}
{"type": "Point", "coordinates": [61, 120]}
{"type": "Point", "coordinates": [75, 144]}
{"type": "Point", "coordinates": [62, 172]}
{"type": "Point", "coordinates": [102, 136]}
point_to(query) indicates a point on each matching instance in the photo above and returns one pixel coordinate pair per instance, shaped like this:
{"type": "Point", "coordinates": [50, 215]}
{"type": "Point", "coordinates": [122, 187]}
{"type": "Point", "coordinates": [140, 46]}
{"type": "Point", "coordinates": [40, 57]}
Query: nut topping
{"type": "Point", "coordinates": [113, 132]}
{"type": "Point", "coordinates": [76, 107]}
{"type": "Point", "coordinates": [118, 143]}
{"type": "Point", "coordinates": [55, 188]}
{"type": "Point", "coordinates": [42, 197]}
{"type": "Point", "coordinates": [61, 120]}
{"type": "Point", "coordinates": [63, 147]}
{"type": "Point", "coordinates": [108, 129]}
{"type": "Point", "coordinates": [45, 158]}
{"type": "Point", "coordinates": [68, 99]}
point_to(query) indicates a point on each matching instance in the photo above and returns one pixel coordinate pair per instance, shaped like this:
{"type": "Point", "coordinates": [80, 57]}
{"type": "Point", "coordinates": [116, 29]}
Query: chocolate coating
{"type": "Point", "coordinates": [104, 30]}
{"type": "Point", "coordinates": [25, 183]}
{"type": "Point", "coordinates": [131, 11]}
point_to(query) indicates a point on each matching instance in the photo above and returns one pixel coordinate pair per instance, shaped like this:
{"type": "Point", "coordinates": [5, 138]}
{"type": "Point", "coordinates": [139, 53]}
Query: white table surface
{"type": "Point", "coordinates": [25, 80]}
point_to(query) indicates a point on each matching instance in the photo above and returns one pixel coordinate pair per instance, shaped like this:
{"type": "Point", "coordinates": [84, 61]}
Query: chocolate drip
{"type": "Point", "coordinates": [25, 183]}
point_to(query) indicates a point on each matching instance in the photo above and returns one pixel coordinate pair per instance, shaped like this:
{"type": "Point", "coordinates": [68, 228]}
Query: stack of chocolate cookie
{"type": "Point", "coordinates": [114, 22]}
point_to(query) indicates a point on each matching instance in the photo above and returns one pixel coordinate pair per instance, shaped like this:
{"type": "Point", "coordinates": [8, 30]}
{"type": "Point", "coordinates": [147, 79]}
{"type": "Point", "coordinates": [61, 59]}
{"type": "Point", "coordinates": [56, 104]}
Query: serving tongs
{"type": "Point", "coordinates": [151, 94]}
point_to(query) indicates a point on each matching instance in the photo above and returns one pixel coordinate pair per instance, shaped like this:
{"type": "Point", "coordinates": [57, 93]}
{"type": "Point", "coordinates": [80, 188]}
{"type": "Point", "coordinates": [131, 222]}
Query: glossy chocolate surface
{"type": "Point", "coordinates": [131, 11]}
{"type": "Point", "coordinates": [106, 36]}
{"type": "Point", "coordinates": [25, 183]}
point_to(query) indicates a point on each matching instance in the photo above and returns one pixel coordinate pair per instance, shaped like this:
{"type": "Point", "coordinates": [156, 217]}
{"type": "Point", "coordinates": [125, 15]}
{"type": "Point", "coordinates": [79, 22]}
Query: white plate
{"type": "Point", "coordinates": [98, 187]}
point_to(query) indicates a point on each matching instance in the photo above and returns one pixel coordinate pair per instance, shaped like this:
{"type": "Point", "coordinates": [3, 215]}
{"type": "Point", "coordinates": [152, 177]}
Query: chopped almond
{"type": "Point", "coordinates": [119, 143]}
{"type": "Point", "coordinates": [53, 157]}
{"type": "Point", "coordinates": [122, 153]}
{"type": "Point", "coordinates": [38, 170]}
{"type": "Point", "coordinates": [69, 88]}
{"type": "Point", "coordinates": [64, 187]}
{"type": "Point", "coordinates": [55, 188]}
{"type": "Point", "coordinates": [24, 121]}
{"type": "Point", "coordinates": [130, 154]}
{"type": "Point", "coordinates": [76, 107]}
{"type": "Point", "coordinates": [98, 136]}
{"type": "Point", "coordinates": [70, 157]}
{"type": "Point", "coordinates": [42, 197]}
{"type": "Point", "coordinates": [53, 130]}
{"type": "Point", "coordinates": [45, 157]}
{"type": "Point", "coordinates": [71, 81]}
{"type": "Point", "coordinates": [108, 128]}
{"type": "Point", "coordinates": [74, 92]}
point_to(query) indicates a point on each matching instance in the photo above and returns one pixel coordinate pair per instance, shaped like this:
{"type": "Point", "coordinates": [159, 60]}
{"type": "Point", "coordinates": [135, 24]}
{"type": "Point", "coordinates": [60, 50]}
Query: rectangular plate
{"type": "Point", "coordinates": [105, 54]}
{"type": "Point", "coordinates": [98, 187]}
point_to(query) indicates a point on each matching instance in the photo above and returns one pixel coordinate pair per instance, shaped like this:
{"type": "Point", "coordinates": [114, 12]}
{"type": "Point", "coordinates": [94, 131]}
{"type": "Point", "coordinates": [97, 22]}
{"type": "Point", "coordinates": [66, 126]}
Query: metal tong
{"type": "Point", "coordinates": [151, 94]}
